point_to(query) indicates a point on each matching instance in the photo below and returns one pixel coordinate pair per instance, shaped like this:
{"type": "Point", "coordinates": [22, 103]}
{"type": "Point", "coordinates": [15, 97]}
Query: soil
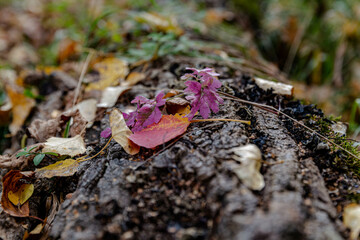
{"type": "Point", "coordinates": [186, 189]}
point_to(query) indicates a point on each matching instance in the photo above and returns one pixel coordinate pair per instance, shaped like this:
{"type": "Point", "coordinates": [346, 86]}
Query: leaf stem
{"type": "Point", "coordinates": [79, 160]}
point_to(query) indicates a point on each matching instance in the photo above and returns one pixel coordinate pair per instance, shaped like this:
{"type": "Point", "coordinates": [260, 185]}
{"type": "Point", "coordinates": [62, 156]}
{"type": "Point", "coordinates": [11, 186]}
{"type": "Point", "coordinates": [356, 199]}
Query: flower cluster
{"type": "Point", "coordinates": [202, 92]}
{"type": "Point", "coordinates": [147, 112]}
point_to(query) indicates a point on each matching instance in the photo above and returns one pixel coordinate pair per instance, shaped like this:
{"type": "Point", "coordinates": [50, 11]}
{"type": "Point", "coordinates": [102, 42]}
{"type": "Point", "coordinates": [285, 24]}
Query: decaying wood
{"type": "Point", "coordinates": [189, 191]}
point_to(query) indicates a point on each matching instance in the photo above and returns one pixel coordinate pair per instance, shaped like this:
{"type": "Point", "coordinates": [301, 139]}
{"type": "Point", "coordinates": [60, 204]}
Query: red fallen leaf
{"type": "Point", "coordinates": [12, 182]}
{"type": "Point", "coordinates": [168, 128]}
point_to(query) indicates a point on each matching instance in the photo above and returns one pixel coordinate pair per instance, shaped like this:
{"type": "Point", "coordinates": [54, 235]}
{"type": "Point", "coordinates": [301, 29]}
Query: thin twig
{"type": "Point", "coordinates": [79, 160]}
{"type": "Point", "coordinates": [82, 75]}
{"type": "Point", "coordinates": [231, 97]}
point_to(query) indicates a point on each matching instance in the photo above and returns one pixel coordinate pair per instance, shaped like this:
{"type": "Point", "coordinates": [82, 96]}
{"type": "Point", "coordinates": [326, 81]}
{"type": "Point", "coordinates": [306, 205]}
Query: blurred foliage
{"type": "Point", "coordinates": [316, 42]}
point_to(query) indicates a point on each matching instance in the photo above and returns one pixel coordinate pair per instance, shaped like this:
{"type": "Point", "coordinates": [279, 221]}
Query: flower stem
{"type": "Point", "coordinates": [220, 119]}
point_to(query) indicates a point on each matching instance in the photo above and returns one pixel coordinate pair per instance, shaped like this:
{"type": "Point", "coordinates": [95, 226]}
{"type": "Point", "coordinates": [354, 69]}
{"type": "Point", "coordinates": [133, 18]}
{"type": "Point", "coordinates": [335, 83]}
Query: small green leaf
{"type": "Point", "coordinates": [21, 154]}
{"type": "Point", "coordinates": [51, 153]}
{"type": "Point", "coordinates": [38, 158]}
{"type": "Point", "coordinates": [67, 129]}
{"type": "Point", "coordinates": [31, 149]}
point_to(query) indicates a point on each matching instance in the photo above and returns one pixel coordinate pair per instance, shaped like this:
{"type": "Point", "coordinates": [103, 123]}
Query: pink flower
{"type": "Point", "coordinates": [147, 112]}
{"type": "Point", "coordinates": [202, 93]}
{"type": "Point", "coordinates": [106, 133]}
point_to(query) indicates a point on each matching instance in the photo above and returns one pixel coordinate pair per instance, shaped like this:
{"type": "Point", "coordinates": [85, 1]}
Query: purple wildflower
{"type": "Point", "coordinates": [202, 94]}
{"type": "Point", "coordinates": [147, 112]}
{"type": "Point", "coordinates": [106, 133]}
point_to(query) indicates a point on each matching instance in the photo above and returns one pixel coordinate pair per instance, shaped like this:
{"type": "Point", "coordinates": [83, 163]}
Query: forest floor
{"type": "Point", "coordinates": [189, 187]}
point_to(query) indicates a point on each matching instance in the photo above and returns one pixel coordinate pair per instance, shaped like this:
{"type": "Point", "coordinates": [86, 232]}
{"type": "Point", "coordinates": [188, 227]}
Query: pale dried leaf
{"type": "Point", "coordinates": [87, 109]}
{"type": "Point", "coordinates": [249, 157]}
{"type": "Point", "coordinates": [351, 218]}
{"type": "Point", "coordinates": [279, 88]}
{"type": "Point", "coordinates": [110, 95]}
{"type": "Point", "coordinates": [121, 132]}
{"type": "Point", "coordinates": [65, 146]}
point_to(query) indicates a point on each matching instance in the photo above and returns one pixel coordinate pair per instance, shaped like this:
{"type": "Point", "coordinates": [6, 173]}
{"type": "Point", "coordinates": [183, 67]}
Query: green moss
{"type": "Point", "coordinates": [343, 160]}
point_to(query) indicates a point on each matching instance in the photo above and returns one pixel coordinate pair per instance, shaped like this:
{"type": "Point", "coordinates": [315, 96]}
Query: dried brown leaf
{"type": "Point", "coordinates": [21, 108]}
{"type": "Point", "coordinates": [13, 181]}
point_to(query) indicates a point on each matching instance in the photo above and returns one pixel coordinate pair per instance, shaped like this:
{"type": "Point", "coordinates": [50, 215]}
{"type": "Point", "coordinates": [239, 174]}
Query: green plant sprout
{"type": "Point", "coordinates": [38, 156]}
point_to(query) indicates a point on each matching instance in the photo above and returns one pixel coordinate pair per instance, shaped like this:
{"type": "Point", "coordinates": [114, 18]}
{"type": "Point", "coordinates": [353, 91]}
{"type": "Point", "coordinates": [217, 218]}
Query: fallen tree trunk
{"type": "Point", "coordinates": [187, 190]}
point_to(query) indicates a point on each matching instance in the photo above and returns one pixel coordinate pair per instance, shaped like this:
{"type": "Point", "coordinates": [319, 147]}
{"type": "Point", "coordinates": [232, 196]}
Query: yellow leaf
{"type": "Point", "coordinates": [112, 71]}
{"type": "Point", "coordinates": [21, 107]}
{"type": "Point", "coordinates": [22, 195]}
{"type": "Point", "coordinates": [160, 23]}
{"type": "Point", "coordinates": [59, 169]}
{"type": "Point", "coordinates": [48, 69]}
{"type": "Point", "coordinates": [133, 78]}
{"type": "Point", "coordinates": [65, 146]}
{"type": "Point", "coordinates": [121, 132]}
{"type": "Point", "coordinates": [38, 229]}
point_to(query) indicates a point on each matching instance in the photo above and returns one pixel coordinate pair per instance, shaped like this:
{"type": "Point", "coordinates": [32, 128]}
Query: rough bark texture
{"type": "Point", "coordinates": [188, 191]}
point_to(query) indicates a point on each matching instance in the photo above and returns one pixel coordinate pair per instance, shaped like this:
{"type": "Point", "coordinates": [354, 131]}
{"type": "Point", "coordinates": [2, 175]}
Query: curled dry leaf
{"type": "Point", "coordinates": [5, 111]}
{"type": "Point", "coordinates": [42, 130]}
{"type": "Point", "coordinates": [13, 182]}
{"type": "Point", "coordinates": [64, 168]}
{"type": "Point", "coordinates": [351, 218]}
{"type": "Point", "coordinates": [13, 162]}
{"type": "Point", "coordinates": [121, 132]}
{"type": "Point", "coordinates": [21, 107]}
{"type": "Point", "coordinates": [169, 127]}
{"type": "Point", "coordinates": [78, 122]}
{"type": "Point", "coordinates": [112, 71]}
{"type": "Point", "coordinates": [110, 95]}
{"type": "Point", "coordinates": [87, 109]}
{"type": "Point", "coordinates": [65, 146]}
{"type": "Point", "coordinates": [177, 105]}
{"type": "Point", "coordinates": [279, 88]}
{"type": "Point", "coordinates": [249, 157]}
